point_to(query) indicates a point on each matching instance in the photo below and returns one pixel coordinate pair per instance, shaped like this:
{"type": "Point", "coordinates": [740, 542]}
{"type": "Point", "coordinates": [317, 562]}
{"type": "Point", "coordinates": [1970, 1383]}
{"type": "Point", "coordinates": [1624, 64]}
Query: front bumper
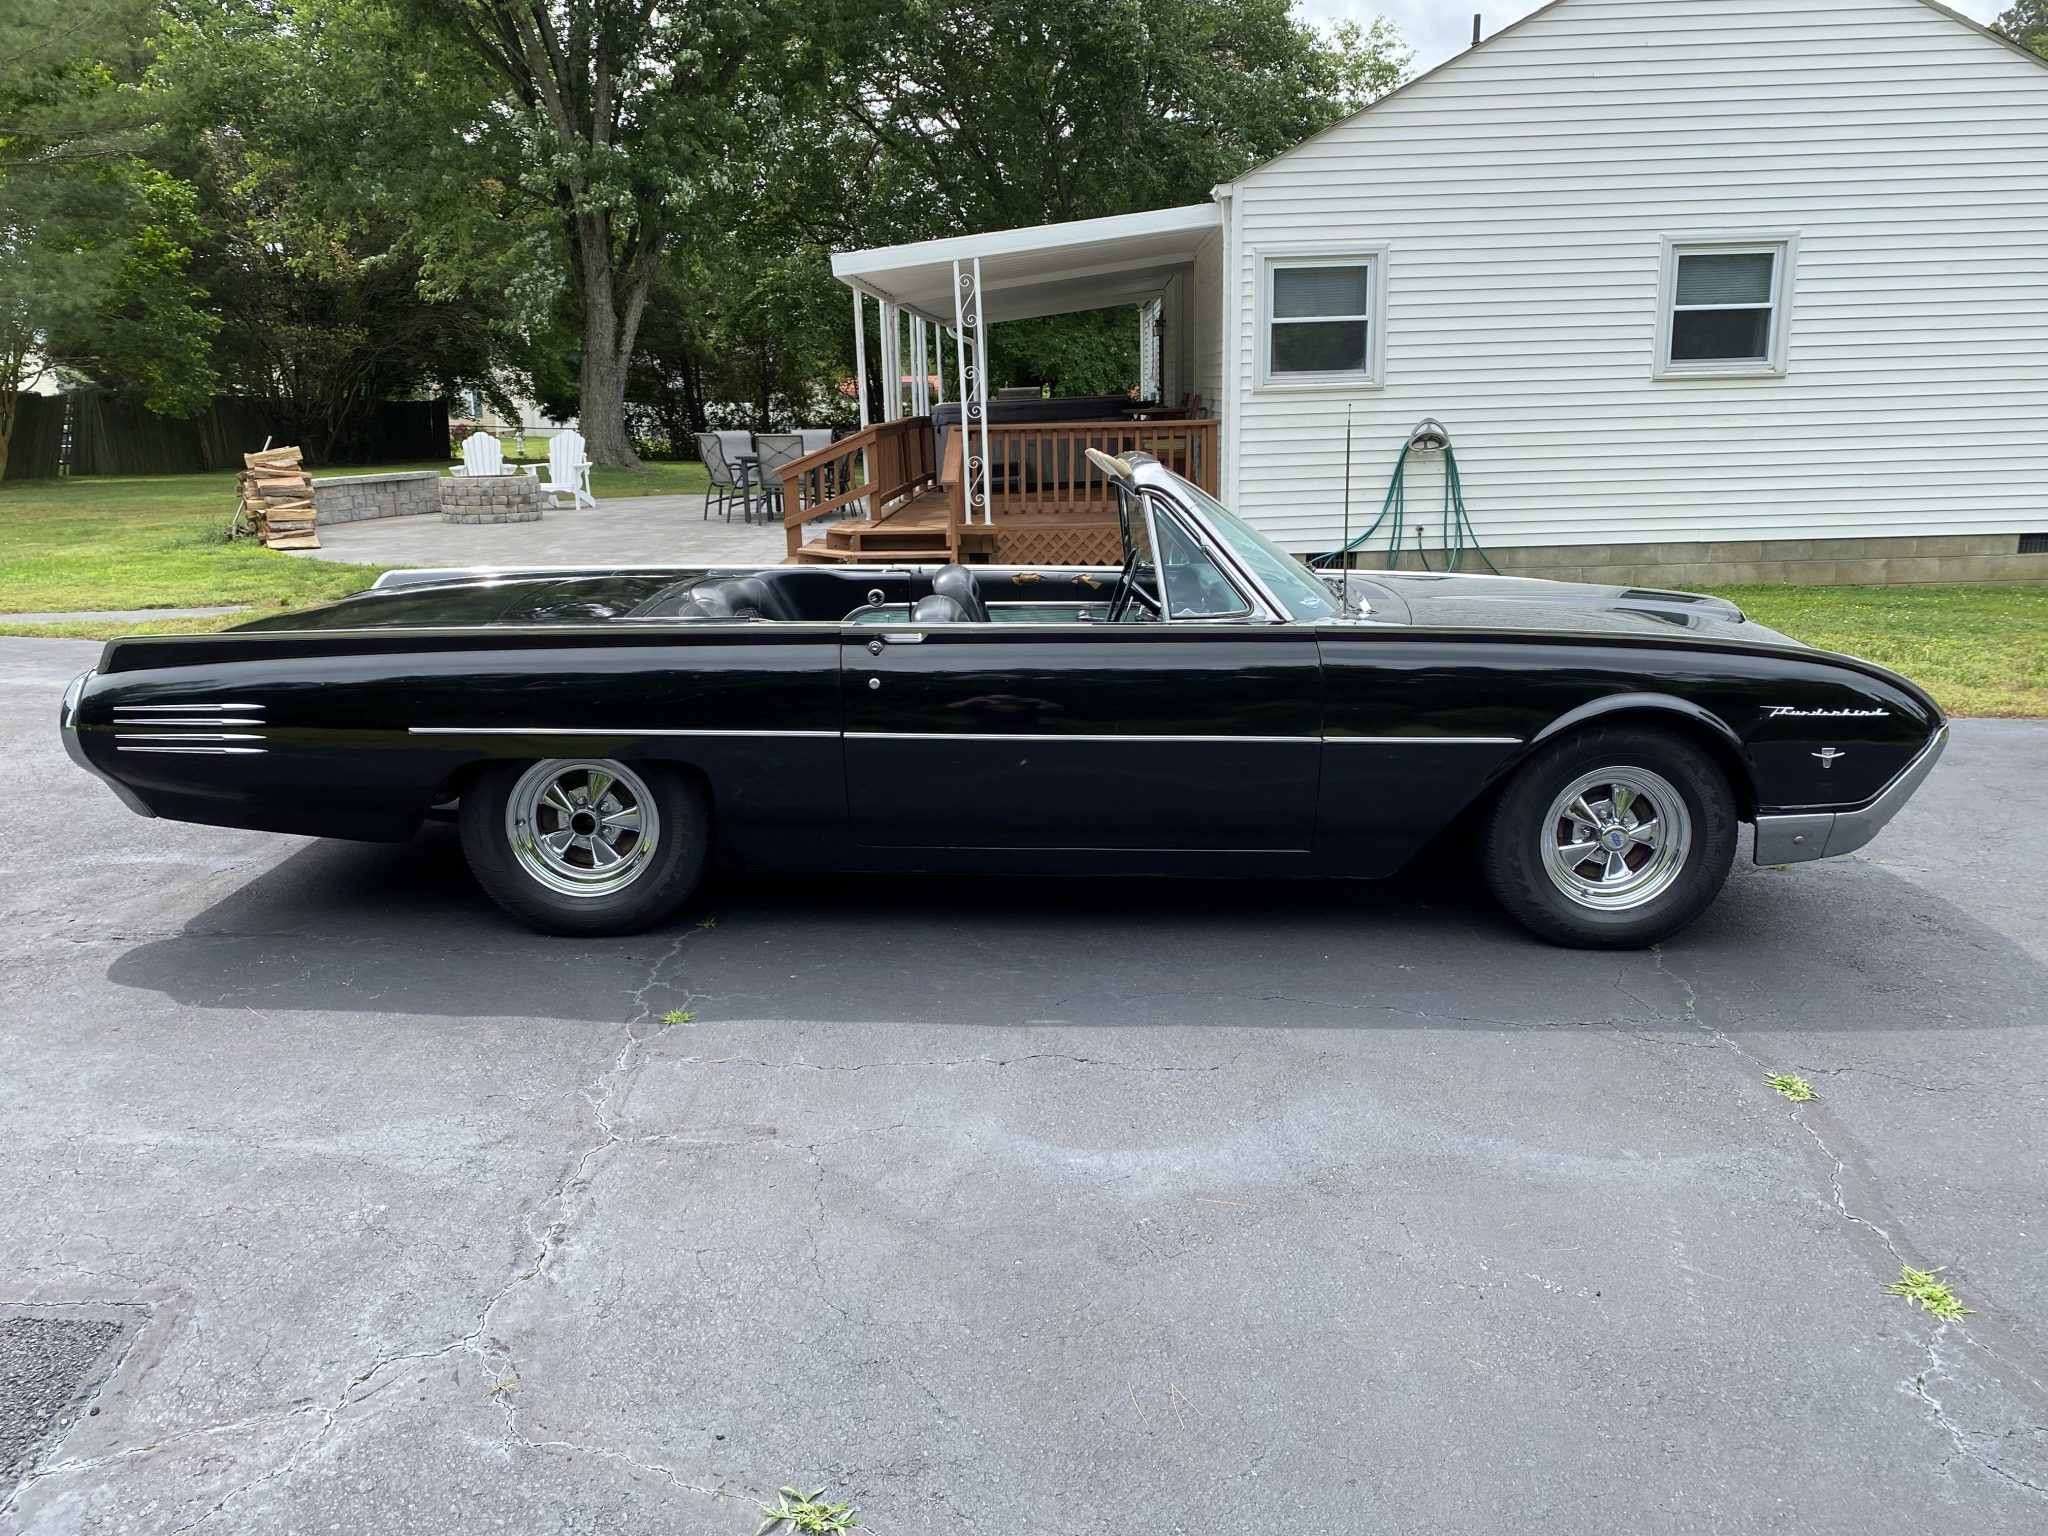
{"type": "Point", "coordinates": [1827, 834]}
{"type": "Point", "coordinates": [67, 723]}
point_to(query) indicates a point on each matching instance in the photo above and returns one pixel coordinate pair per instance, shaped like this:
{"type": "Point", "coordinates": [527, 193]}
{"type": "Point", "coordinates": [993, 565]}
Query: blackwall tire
{"type": "Point", "coordinates": [586, 846]}
{"type": "Point", "coordinates": [1612, 838]}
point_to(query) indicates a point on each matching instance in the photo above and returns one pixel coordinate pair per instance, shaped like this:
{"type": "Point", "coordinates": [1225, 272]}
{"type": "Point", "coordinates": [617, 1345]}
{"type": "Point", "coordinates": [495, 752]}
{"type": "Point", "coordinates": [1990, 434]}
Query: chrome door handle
{"type": "Point", "coordinates": [905, 637]}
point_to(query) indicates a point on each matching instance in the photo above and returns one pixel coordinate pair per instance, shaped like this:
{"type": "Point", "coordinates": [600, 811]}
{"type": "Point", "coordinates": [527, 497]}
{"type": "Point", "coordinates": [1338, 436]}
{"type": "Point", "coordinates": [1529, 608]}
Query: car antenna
{"type": "Point", "coordinates": [1344, 571]}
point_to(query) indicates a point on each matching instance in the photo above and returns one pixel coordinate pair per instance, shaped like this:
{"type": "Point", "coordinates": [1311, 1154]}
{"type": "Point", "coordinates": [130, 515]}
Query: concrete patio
{"type": "Point", "coordinates": [626, 530]}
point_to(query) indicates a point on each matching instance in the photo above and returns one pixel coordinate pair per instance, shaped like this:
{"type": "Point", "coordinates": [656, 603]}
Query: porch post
{"type": "Point", "coordinates": [860, 354]}
{"type": "Point", "coordinates": [973, 353]}
{"type": "Point", "coordinates": [892, 361]}
{"type": "Point", "coordinates": [1148, 351]}
{"type": "Point", "coordinates": [920, 374]}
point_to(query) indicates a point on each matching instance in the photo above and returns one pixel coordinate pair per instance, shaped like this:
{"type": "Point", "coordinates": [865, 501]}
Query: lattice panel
{"type": "Point", "coordinates": [1077, 544]}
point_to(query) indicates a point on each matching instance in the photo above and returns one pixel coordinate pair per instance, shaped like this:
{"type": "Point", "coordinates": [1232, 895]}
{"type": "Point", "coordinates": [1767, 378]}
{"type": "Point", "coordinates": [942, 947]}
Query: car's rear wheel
{"type": "Point", "coordinates": [1612, 838]}
{"type": "Point", "coordinates": [585, 845]}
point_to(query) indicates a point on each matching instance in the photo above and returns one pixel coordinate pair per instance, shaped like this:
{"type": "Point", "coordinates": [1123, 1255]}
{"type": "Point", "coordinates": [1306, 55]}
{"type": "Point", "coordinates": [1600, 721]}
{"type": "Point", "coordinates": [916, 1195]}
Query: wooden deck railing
{"type": "Point", "coordinates": [875, 470]}
{"type": "Point", "coordinates": [1043, 467]}
{"type": "Point", "coordinates": [1058, 506]}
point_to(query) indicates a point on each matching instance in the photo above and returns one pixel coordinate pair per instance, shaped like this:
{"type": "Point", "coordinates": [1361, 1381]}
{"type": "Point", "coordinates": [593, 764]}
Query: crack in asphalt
{"type": "Point", "coordinates": [1963, 1444]}
{"type": "Point", "coordinates": [602, 1094]}
{"type": "Point", "coordinates": [1840, 1164]}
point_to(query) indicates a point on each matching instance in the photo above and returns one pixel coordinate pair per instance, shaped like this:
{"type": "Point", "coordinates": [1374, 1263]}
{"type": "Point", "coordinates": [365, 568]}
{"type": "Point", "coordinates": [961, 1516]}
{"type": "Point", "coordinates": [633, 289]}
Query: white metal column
{"type": "Point", "coordinates": [1148, 350]}
{"type": "Point", "coordinates": [892, 361]}
{"type": "Point", "coordinates": [920, 369]}
{"type": "Point", "coordinates": [972, 342]}
{"type": "Point", "coordinates": [860, 354]}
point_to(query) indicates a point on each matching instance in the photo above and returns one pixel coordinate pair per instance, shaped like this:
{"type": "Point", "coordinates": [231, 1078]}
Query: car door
{"type": "Point", "coordinates": [1191, 734]}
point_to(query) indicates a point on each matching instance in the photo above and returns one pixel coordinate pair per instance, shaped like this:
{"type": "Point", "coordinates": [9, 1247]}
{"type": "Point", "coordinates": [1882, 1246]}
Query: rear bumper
{"type": "Point", "coordinates": [1827, 834]}
{"type": "Point", "coordinates": [67, 723]}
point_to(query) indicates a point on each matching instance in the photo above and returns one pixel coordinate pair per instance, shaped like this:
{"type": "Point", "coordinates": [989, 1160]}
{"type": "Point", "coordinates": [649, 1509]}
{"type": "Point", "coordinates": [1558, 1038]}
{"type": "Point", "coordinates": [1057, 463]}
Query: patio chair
{"type": "Point", "coordinates": [482, 454]}
{"type": "Point", "coordinates": [568, 470]}
{"type": "Point", "coordinates": [730, 466]}
{"type": "Point", "coordinates": [772, 450]}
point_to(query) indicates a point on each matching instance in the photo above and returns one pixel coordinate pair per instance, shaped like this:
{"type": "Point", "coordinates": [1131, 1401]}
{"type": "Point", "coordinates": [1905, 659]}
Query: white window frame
{"type": "Point", "coordinates": [1785, 247]}
{"type": "Point", "coordinates": [1374, 259]}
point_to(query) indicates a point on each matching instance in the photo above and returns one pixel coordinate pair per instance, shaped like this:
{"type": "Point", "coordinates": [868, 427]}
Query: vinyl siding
{"type": "Point", "coordinates": [1523, 193]}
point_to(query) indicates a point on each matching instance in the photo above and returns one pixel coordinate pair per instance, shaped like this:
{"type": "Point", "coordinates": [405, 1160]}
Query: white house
{"type": "Point", "coordinates": [1710, 290]}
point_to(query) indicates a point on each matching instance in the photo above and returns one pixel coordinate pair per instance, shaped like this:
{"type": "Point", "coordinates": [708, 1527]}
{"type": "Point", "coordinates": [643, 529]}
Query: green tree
{"type": "Point", "coordinates": [95, 243]}
{"type": "Point", "coordinates": [290, 122]}
{"type": "Point", "coordinates": [623, 116]}
{"type": "Point", "coordinates": [930, 118]}
{"type": "Point", "coordinates": [2026, 23]}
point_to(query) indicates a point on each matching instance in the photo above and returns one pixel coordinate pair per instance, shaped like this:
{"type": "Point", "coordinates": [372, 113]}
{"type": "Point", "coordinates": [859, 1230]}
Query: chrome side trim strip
{"type": "Point", "coordinates": [1328, 741]}
{"type": "Point", "coordinates": [1423, 741]}
{"type": "Point", "coordinates": [1038, 736]}
{"type": "Point", "coordinates": [1805, 835]}
{"type": "Point", "coordinates": [186, 709]}
{"type": "Point", "coordinates": [210, 722]}
{"type": "Point", "coordinates": [197, 751]}
{"type": "Point", "coordinates": [189, 736]}
{"type": "Point", "coordinates": [593, 730]}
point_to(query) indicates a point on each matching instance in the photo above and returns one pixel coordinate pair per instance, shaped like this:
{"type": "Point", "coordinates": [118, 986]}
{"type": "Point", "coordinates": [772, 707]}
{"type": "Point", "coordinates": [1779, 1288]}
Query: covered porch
{"type": "Point", "coordinates": [952, 471]}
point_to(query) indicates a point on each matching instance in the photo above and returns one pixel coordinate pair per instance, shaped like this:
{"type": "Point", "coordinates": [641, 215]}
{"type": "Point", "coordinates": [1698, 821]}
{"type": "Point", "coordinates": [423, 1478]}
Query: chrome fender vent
{"type": "Point", "coordinates": [219, 730]}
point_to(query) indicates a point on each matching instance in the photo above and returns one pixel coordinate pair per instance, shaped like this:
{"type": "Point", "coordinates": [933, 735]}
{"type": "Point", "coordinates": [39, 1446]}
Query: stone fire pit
{"type": "Point", "coordinates": [351, 498]}
{"type": "Point", "coordinates": [491, 499]}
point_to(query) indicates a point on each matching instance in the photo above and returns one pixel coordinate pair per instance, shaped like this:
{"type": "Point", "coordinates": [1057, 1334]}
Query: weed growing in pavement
{"type": "Point", "coordinates": [807, 1513]}
{"type": "Point", "coordinates": [678, 1016]}
{"type": "Point", "coordinates": [1921, 1287]}
{"type": "Point", "coordinates": [1794, 1087]}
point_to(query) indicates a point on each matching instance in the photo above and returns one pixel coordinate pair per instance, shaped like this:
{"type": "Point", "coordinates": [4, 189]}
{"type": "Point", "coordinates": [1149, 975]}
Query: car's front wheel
{"type": "Point", "coordinates": [585, 845]}
{"type": "Point", "coordinates": [1612, 838]}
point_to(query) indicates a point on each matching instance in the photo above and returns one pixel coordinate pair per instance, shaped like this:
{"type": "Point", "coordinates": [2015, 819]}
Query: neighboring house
{"type": "Point", "coordinates": [472, 407]}
{"type": "Point", "coordinates": [1707, 290]}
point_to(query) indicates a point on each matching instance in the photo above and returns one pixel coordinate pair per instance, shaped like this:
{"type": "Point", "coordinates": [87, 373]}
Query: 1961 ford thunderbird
{"type": "Point", "coordinates": [1211, 707]}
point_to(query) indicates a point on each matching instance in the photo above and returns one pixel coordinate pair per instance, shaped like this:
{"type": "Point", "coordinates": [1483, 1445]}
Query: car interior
{"type": "Point", "coordinates": [952, 594]}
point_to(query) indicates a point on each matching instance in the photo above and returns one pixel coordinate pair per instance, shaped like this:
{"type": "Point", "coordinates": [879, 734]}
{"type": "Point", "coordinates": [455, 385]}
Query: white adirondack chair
{"type": "Point", "coordinates": [482, 454]}
{"type": "Point", "coordinates": [568, 470]}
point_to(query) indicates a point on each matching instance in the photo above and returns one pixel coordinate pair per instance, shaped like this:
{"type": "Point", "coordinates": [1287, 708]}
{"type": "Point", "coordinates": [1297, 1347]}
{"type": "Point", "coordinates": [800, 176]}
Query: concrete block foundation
{"type": "Point", "coordinates": [1923, 560]}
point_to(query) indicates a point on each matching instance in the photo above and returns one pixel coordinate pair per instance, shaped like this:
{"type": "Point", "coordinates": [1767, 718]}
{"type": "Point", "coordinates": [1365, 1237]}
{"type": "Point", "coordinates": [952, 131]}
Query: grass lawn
{"type": "Point", "coordinates": [154, 541]}
{"type": "Point", "coordinates": [1978, 650]}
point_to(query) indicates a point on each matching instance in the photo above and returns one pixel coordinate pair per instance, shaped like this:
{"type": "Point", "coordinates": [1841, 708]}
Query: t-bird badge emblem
{"type": "Point", "coordinates": [1827, 756]}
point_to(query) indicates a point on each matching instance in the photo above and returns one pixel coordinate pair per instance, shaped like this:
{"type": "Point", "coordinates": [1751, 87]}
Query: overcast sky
{"type": "Point", "coordinates": [1436, 29]}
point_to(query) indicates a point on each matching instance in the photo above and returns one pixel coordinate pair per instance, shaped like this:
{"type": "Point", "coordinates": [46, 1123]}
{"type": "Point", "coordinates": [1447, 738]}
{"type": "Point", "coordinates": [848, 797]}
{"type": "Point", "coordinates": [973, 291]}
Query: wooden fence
{"type": "Point", "coordinates": [115, 436]}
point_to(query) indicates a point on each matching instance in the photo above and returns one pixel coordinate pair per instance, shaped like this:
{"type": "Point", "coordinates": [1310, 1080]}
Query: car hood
{"type": "Point", "coordinates": [1450, 600]}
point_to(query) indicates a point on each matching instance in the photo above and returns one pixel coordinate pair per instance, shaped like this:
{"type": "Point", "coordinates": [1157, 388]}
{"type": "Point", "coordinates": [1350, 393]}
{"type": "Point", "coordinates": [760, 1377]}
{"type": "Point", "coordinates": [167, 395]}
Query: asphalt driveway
{"type": "Point", "coordinates": [1015, 1206]}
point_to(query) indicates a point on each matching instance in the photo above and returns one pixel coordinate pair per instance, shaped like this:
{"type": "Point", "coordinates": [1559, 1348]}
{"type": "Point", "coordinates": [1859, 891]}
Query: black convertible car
{"type": "Point", "coordinates": [1211, 707]}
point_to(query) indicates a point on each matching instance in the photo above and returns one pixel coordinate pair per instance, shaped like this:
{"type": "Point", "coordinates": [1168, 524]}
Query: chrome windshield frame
{"type": "Point", "coordinates": [1151, 479]}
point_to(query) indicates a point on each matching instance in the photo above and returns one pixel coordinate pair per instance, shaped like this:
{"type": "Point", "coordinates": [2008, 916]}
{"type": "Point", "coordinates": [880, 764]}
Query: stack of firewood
{"type": "Point", "coordinates": [277, 499]}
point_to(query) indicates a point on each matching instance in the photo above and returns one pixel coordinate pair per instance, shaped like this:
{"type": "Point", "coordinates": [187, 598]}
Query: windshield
{"type": "Point", "coordinates": [1299, 593]}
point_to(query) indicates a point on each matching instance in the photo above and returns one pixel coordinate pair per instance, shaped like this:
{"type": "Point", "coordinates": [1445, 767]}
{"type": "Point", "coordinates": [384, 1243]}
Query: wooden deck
{"type": "Point", "coordinates": [1046, 504]}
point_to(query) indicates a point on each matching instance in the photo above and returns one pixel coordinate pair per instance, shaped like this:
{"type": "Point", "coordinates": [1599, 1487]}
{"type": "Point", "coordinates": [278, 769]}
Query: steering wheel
{"type": "Point", "coordinates": [1127, 592]}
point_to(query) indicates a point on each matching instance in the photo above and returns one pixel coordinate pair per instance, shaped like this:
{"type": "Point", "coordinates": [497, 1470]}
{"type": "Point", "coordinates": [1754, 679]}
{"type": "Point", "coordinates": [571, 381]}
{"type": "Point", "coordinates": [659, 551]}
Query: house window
{"type": "Point", "coordinates": [1723, 308]}
{"type": "Point", "coordinates": [1322, 317]}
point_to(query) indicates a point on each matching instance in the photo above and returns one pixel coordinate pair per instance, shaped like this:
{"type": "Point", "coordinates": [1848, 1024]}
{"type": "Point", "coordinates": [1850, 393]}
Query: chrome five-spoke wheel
{"type": "Point", "coordinates": [582, 828]}
{"type": "Point", "coordinates": [1616, 838]}
{"type": "Point", "coordinates": [1612, 836]}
